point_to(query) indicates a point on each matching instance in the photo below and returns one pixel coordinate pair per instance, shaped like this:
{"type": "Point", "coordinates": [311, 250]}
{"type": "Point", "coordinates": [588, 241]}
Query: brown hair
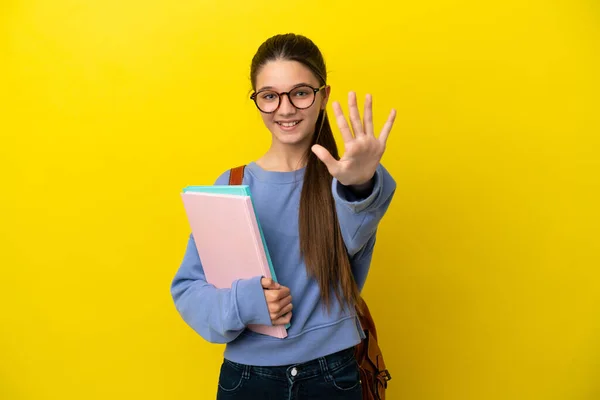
{"type": "Point", "coordinates": [321, 242]}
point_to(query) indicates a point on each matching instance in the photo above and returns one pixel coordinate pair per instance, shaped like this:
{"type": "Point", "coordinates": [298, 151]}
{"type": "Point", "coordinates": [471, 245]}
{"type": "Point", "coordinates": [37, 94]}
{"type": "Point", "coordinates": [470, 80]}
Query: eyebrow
{"type": "Point", "coordinates": [292, 88]}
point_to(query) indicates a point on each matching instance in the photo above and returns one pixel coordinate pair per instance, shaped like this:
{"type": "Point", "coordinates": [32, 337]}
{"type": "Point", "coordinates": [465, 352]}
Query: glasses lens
{"type": "Point", "coordinates": [267, 101]}
{"type": "Point", "coordinates": [302, 97]}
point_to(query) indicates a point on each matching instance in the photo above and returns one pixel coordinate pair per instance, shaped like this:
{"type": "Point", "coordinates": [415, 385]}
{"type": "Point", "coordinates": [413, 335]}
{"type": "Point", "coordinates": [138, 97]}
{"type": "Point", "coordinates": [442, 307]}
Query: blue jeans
{"type": "Point", "coordinates": [335, 376]}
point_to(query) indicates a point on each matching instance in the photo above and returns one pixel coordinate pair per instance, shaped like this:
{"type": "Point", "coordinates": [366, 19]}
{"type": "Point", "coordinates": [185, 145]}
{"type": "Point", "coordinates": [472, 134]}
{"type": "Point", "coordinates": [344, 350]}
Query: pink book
{"type": "Point", "coordinates": [229, 243]}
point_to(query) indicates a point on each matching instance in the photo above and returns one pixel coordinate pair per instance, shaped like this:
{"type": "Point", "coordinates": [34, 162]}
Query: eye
{"type": "Point", "coordinates": [301, 92]}
{"type": "Point", "coordinates": [269, 96]}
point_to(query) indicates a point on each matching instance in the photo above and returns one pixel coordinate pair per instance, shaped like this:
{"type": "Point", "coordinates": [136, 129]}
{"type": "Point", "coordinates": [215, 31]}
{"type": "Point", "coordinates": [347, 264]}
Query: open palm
{"type": "Point", "coordinates": [363, 151]}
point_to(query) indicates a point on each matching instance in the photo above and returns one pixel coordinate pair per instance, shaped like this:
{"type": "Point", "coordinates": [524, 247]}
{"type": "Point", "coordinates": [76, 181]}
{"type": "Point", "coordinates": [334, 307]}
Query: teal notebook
{"type": "Point", "coordinates": [237, 190]}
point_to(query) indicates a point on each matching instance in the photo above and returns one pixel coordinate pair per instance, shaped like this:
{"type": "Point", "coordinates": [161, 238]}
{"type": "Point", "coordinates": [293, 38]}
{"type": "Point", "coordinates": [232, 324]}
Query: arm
{"type": "Point", "coordinates": [218, 315]}
{"type": "Point", "coordinates": [361, 187]}
{"type": "Point", "coordinates": [360, 209]}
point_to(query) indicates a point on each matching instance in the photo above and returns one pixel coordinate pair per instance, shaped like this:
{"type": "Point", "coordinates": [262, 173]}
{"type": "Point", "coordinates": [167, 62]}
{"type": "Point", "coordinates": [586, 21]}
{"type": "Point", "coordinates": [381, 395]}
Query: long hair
{"type": "Point", "coordinates": [321, 244]}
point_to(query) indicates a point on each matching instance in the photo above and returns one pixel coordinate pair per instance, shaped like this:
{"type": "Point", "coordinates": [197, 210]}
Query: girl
{"type": "Point", "coordinates": [319, 215]}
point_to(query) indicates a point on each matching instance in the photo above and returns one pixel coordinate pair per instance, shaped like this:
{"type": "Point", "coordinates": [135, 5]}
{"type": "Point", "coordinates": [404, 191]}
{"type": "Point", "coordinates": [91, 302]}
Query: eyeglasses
{"type": "Point", "coordinates": [301, 97]}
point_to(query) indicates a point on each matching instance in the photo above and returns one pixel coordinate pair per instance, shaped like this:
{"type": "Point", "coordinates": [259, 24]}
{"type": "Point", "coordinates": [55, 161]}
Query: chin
{"type": "Point", "coordinates": [292, 140]}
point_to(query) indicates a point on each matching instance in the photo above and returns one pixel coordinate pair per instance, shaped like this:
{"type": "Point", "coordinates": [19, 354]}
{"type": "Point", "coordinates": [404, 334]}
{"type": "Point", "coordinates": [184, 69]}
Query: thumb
{"type": "Point", "coordinates": [325, 156]}
{"type": "Point", "coordinates": [268, 283]}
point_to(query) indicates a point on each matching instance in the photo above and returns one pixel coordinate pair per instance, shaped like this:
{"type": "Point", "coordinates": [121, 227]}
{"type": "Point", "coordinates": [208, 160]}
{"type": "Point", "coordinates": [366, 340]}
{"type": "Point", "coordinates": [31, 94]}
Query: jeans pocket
{"type": "Point", "coordinates": [346, 377]}
{"type": "Point", "coordinates": [232, 376]}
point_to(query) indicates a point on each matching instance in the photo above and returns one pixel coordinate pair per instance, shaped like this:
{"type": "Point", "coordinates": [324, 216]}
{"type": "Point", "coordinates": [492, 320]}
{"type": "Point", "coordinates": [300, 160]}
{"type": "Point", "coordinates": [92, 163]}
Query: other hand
{"type": "Point", "coordinates": [363, 151]}
{"type": "Point", "coordinates": [279, 301]}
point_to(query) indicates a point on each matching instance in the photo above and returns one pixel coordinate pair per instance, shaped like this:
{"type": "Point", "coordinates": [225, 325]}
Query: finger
{"type": "Point", "coordinates": [284, 311]}
{"type": "Point", "coordinates": [268, 283]}
{"type": "Point", "coordinates": [283, 320]}
{"type": "Point", "coordinates": [285, 301]}
{"type": "Point", "coordinates": [387, 128]}
{"type": "Point", "coordinates": [368, 118]}
{"type": "Point", "coordinates": [274, 296]}
{"type": "Point", "coordinates": [325, 156]}
{"type": "Point", "coordinates": [283, 293]}
{"type": "Point", "coordinates": [340, 119]}
{"type": "Point", "coordinates": [354, 114]}
{"type": "Point", "coordinates": [275, 311]}
{"type": "Point", "coordinates": [287, 318]}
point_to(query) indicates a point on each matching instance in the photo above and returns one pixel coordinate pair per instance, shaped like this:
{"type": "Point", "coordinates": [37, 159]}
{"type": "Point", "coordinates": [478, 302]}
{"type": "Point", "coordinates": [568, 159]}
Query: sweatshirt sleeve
{"type": "Point", "coordinates": [360, 217]}
{"type": "Point", "coordinates": [218, 315]}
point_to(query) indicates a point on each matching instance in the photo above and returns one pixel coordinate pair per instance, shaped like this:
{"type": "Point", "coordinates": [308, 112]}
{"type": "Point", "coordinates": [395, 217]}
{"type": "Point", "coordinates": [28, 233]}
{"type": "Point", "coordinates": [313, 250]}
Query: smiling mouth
{"type": "Point", "coordinates": [288, 124]}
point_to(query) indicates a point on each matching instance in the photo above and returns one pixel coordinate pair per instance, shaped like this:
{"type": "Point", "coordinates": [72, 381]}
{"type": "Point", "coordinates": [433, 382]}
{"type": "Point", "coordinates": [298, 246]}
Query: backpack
{"type": "Point", "coordinates": [373, 372]}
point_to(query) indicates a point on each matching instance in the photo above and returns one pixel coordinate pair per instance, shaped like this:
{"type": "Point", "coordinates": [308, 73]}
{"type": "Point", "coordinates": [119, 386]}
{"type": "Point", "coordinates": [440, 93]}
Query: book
{"type": "Point", "coordinates": [238, 190]}
{"type": "Point", "coordinates": [229, 239]}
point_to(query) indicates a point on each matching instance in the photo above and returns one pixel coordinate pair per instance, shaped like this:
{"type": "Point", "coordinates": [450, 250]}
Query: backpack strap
{"type": "Point", "coordinates": [236, 175]}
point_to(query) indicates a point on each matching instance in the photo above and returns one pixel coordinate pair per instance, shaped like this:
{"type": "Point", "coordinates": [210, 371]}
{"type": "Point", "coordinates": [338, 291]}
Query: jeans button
{"type": "Point", "coordinates": [294, 371]}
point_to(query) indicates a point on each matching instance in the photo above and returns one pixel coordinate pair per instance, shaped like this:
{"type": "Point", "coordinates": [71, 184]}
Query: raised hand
{"type": "Point", "coordinates": [279, 301]}
{"type": "Point", "coordinates": [363, 151]}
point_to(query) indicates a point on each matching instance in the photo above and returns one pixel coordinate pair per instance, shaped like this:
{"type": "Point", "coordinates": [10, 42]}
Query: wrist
{"type": "Point", "coordinates": [364, 187]}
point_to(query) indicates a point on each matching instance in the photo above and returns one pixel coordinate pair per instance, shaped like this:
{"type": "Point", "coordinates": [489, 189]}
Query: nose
{"type": "Point", "coordinates": [286, 107]}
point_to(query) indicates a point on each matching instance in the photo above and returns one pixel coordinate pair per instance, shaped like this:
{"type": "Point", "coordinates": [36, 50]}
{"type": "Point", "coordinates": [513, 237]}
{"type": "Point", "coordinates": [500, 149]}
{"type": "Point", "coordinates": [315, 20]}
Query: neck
{"type": "Point", "coordinates": [284, 158]}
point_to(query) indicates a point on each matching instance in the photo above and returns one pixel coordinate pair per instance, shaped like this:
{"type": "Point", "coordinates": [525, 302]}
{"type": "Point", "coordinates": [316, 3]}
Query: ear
{"type": "Point", "coordinates": [326, 93]}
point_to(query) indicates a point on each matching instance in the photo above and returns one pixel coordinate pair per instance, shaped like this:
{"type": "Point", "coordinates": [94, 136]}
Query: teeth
{"type": "Point", "coordinates": [289, 124]}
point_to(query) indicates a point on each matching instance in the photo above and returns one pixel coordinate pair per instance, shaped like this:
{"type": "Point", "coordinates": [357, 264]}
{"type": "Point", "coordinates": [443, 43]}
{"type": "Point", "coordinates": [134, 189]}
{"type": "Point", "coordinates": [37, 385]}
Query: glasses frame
{"type": "Point", "coordinates": [281, 94]}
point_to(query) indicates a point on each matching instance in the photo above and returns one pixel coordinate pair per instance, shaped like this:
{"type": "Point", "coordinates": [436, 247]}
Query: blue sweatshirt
{"type": "Point", "coordinates": [221, 315]}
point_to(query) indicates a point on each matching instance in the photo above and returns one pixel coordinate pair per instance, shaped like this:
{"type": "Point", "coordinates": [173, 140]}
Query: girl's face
{"type": "Point", "coordinates": [290, 125]}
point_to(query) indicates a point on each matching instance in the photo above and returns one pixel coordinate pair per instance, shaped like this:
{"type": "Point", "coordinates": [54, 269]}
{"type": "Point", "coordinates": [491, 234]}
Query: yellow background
{"type": "Point", "coordinates": [485, 283]}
